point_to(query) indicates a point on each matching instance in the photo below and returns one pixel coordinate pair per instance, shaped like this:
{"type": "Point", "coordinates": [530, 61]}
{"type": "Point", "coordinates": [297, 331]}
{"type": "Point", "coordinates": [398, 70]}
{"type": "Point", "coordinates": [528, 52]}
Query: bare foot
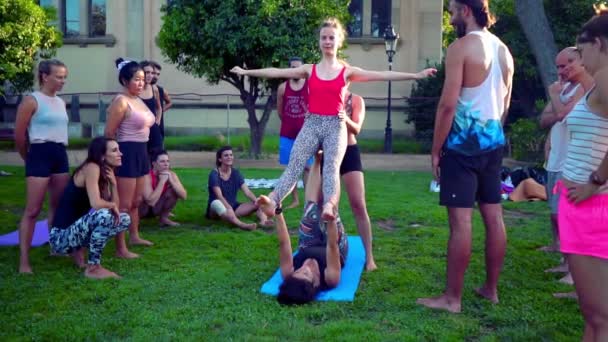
{"type": "Point", "coordinates": [329, 212]}
{"type": "Point", "coordinates": [166, 222]}
{"type": "Point", "coordinates": [267, 205]}
{"type": "Point", "coordinates": [141, 242]}
{"type": "Point", "coordinates": [563, 268]}
{"type": "Point", "coordinates": [98, 272]}
{"type": "Point", "coordinates": [171, 214]}
{"type": "Point", "coordinates": [440, 303]}
{"type": "Point", "coordinates": [570, 295]}
{"type": "Point", "coordinates": [267, 223]}
{"type": "Point", "coordinates": [490, 295]}
{"type": "Point", "coordinates": [567, 279]}
{"type": "Point", "coordinates": [293, 204]}
{"type": "Point", "coordinates": [25, 269]}
{"type": "Point", "coordinates": [370, 265]}
{"type": "Point", "coordinates": [248, 226]}
{"type": "Point", "coordinates": [78, 257]}
{"type": "Point", "coordinates": [126, 255]}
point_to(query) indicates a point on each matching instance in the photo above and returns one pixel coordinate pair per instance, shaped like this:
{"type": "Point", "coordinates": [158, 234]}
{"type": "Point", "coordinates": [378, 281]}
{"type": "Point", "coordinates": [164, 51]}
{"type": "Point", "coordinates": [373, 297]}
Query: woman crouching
{"type": "Point", "coordinates": [76, 226]}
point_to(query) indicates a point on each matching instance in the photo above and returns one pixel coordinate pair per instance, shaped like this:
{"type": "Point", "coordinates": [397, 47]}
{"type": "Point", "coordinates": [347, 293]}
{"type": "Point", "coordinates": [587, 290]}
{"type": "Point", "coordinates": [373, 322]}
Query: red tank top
{"type": "Point", "coordinates": [326, 97]}
{"type": "Point", "coordinates": [155, 181]}
{"type": "Point", "coordinates": [295, 106]}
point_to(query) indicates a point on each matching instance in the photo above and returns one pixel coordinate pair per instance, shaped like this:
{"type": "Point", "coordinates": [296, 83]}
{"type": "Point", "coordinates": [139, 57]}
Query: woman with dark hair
{"type": "Point", "coordinates": [151, 98]}
{"type": "Point", "coordinates": [41, 134]}
{"type": "Point", "coordinates": [129, 121]}
{"type": "Point", "coordinates": [327, 84]}
{"type": "Point", "coordinates": [223, 185]}
{"type": "Point", "coordinates": [322, 248]}
{"type": "Point", "coordinates": [76, 226]}
{"type": "Point", "coordinates": [583, 204]}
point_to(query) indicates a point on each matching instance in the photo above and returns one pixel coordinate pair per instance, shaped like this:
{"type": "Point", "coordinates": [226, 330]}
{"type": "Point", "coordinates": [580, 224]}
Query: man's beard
{"type": "Point", "coordinates": [461, 29]}
{"type": "Point", "coordinates": [153, 81]}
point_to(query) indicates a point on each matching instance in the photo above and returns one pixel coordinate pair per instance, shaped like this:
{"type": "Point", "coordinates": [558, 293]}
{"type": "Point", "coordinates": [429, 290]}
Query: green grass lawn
{"type": "Point", "coordinates": [201, 281]}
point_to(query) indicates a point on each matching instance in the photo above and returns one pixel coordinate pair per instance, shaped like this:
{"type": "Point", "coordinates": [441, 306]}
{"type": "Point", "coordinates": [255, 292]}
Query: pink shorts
{"type": "Point", "coordinates": [583, 227]}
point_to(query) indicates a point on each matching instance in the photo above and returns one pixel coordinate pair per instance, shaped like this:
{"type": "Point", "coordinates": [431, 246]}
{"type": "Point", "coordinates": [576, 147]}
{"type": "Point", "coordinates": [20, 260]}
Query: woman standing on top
{"type": "Point", "coordinates": [327, 83]}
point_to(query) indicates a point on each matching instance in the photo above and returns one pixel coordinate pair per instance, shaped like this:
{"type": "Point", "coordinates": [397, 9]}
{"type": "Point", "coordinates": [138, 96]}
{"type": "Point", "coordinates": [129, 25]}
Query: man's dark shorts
{"type": "Point", "coordinates": [466, 179]}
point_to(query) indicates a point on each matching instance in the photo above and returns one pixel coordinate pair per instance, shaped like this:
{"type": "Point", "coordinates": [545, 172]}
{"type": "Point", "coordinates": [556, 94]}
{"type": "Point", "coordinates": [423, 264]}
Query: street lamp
{"type": "Point", "coordinates": [390, 44]}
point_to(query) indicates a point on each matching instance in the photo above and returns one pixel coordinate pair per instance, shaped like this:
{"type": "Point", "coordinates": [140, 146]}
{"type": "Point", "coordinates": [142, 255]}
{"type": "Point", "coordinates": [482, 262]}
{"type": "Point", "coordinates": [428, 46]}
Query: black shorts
{"type": "Point", "coordinates": [155, 142]}
{"type": "Point", "coordinates": [466, 179]}
{"type": "Point", "coordinates": [135, 162]}
{"type": "Point", "coordinates": [46, 159]}
{"type": "Point", "coordinates": [352, 160]}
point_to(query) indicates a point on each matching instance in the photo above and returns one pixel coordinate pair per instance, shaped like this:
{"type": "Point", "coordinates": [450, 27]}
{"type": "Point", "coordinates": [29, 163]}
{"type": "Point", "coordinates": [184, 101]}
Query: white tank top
{"type": "Point", "coordinates": [588, 142]}
{"type": "Point", "coordinates": [559, 135]}
{"type": "Point", "coordinates": [477, 126]}
{"type": "Point", "coordinates": [50, 121]}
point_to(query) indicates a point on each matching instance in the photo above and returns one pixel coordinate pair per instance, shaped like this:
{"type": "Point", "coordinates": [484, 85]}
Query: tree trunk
{"type": "Point", "coordinates": [257, 127]}
{"type": "Point", "coordinates": [532, 18]}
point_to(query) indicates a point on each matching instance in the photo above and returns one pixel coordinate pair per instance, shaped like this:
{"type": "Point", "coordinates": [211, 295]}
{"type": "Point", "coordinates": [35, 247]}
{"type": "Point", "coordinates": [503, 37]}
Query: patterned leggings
{"type": "Point", "coordinates": [93, 231]}
{"type": "Point", "coordinates": [323, 131]}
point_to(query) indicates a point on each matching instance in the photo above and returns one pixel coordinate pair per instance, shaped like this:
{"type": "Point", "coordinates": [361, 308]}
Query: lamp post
{"type": "Point", "coordinates": [390, 44]}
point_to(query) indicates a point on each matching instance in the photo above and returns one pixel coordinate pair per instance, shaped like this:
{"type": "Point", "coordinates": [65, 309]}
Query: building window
{"type": "Point", "coordinates": [381, 17]}
{"type": "Point", "coordinates": [71, 18]}
{"type": "Point", "coordinates": [355, 28]}
{"type": "Point", "coordinates": [97, 18]}
{"type": "Point", "coordinates": [369, 18]}
{"type": "Point", "coordinates": [46, 3]}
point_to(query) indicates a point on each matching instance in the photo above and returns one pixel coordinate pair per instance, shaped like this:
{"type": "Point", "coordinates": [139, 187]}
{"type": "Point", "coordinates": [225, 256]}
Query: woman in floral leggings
{"type": "Point", "coordinates": [88, 214]}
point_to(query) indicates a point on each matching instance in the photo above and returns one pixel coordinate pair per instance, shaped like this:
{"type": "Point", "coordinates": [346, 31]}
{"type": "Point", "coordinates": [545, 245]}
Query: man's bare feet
{"type": "Point", "coordinates": [370, 265]}
{"type": "Point", "coordinates": [440, 303]}
{"type": "Point", "coordinates": [293, 204]}
{"type": "Point", "coordinates": [563, 268]}
{"type": "Point", "coordinates": [248, 226]}
{"type": "Point", "coordinates": [25, 269]}
{"type": "Point", "coordinates": [570, 295]}
{"type": "Point", "coordinates": [490, 295]}
{"type": "Point", "coordinates": [78, 258]}
{"type": "Point", "coordinates": [567, 279]}
{"type": "Point", "coordinates": [126, 255]}
{"type": "Point", "coordinates": [165, 221]}
{"type": "Point", "coordinates": [98, 272]}
{"type": "Point", "coordinates": [140, 242]}
{"type": "Point", "coordinates": [267, 205]}
{"type": "Point", "coordinates": [329, 212]}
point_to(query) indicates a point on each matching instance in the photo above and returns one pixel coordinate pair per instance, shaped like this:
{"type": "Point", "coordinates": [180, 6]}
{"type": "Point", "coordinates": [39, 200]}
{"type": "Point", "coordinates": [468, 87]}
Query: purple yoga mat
{"type": "Point", "coordinates": [41, 236]}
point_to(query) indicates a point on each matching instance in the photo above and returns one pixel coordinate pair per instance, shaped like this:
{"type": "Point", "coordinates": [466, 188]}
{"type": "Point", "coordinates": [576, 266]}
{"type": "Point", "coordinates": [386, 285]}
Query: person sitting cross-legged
{"type": "Point", "coordinates": [162, 190]}
{"type": "Point", "coordinates": [223, 185]}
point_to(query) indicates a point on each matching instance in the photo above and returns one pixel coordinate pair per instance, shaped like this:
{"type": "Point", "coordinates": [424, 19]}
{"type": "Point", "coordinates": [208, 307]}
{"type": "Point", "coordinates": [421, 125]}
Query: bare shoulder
{"type": "Point", "coordinates": [91, 169]}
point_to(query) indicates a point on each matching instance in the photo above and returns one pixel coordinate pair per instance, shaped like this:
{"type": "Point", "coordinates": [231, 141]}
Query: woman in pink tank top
{"type": "Point", "coordinates": [583, 205]}
{"type": "Point", "coordinates": [129, 122]}
{"type": "Point", "coordinates": [327, 83]}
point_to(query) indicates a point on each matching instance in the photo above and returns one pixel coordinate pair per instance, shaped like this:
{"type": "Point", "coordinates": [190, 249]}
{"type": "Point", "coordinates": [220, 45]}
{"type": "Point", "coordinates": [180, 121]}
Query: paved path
{"type": "Point", "coordinates": [371, 161]}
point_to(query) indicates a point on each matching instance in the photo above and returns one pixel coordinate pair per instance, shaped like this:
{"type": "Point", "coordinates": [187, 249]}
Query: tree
{"type": "Point", "coordinates": [25, 35]}
{"type": "Point", "coordinates": [207, 38]}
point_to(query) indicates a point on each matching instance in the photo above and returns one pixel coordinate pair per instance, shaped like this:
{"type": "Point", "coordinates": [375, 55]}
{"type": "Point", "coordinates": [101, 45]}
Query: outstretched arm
{"type": "Point", "coordinates": [285, 252]}
{"type": "Point", "coordinates": [332, 252]}
{"type": "Point", "coordinates": [300, 72]}
{"type": "Point", "coordinates": [355, 74]}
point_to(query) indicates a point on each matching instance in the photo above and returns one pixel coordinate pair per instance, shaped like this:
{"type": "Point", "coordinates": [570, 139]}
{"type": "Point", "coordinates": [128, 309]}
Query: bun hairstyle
{"type": "Point", "coordinates": [126, 70]}
{"type": "Point", "coordinates": [596, 27]}
{"type": "Point", "coordinates": [336, 24]}
{"type": "Point", "coordinates": [481, 12]}
{"type": "Point", "coordinates": [45, 67]}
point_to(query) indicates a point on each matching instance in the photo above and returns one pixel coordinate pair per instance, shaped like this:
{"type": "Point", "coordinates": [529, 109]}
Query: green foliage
{"type": "Point", "coordinates": [25, 35]}
{"type": "Point", "coordinates": [422, 106]}
{"type": "Point", "coordinates": [201, 281]}
{"type": "Point", "coordinates": [527, 140]}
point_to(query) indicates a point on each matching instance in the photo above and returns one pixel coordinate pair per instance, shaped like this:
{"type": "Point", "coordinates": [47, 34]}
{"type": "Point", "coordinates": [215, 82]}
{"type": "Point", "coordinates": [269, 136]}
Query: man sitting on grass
{"type": "Point", "coordinates": [162, 189]}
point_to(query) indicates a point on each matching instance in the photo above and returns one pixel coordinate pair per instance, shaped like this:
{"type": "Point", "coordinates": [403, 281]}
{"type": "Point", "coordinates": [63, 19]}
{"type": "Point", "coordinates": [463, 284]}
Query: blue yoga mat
{"type": "Point", "coordinates": [39, 238]}
{"type": "Point", "coordinates": [349, 280]}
